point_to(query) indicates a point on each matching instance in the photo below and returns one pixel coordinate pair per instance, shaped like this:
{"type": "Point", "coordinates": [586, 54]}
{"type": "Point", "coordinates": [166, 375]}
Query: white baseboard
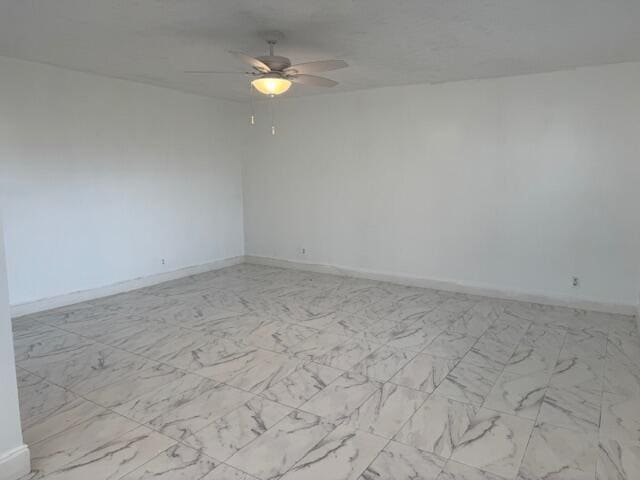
{"type": "Point", "coordinates": [451, 286]}
{"type": "Point", "coordinates": [446, 285]}
{"type": "Point", "coordinates": [15, 463]}
{"type": "Point", "coordinates": [43, 304]}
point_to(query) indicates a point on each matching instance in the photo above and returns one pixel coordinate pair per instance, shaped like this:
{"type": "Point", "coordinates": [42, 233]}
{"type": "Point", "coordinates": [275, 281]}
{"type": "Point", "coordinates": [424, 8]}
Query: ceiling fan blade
{"type": "Point", "coordinates": [254, 62]}
{"type": "Point", "coordinates": [217, 72]}
{"type": "Point", "coordinates": [313, 80]}
{"type": "Point", "coordinates": [315, 67]}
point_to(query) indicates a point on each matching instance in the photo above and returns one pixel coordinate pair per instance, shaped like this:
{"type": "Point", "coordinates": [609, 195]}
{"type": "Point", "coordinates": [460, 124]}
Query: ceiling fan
{"type": "Point", "coordinates": [275, 74]}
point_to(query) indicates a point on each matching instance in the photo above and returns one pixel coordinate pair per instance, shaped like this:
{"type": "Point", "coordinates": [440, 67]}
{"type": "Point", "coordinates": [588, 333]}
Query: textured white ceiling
{"type": "Point", "coordinates": [386, 42]}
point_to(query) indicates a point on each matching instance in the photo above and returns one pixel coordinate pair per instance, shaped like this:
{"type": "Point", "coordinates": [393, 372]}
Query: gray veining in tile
{"type": "Point", "coordinates": [228, 434]}
{"type": "Point", "coordinates": [386, 411]}
{"type": "Point", "coordinates": [302, 384]}
{"type": "Point", "coordinates": [176, 463]}
{"type": "Point", "coordinates": [458, 471]}
{"type": "Point", "coordinates": [558, 454]}
{"type": "Point", "coordinates": [342, 455]}
{"type": "Point", "coordinates": [468, 383]}
{"type": "Point", "coordinates": [618, 461]}
{"type": "Point", "coordinates": [437, 426]}
{"type": "Point", "coordinates": [187, 418]}
{"type": "Point", "coordinates": [402, 462]}
{"type": "Point", "coordinates": [424, 372]}
{"type": "Point", "coordinates": [519, 395]}
{"type": "Point", "coordinates": [276, 451]}
{"type": "Point", "coordinates": [620, 418]}
{"type": "Point", "coordinates": [346, 355]}
{"type": "Point", "coordinates": [383, 363]}
{"type": "Point", "coordinates": [494, 442]}
{"type": "Point", "coordinates": [571, 408]}
{"type": "Point", "coordinates": [225, 472]}
{"type": "Point", "coordinates": [114, 458]}
{"type": "Point", "coordinates": [336, 402]}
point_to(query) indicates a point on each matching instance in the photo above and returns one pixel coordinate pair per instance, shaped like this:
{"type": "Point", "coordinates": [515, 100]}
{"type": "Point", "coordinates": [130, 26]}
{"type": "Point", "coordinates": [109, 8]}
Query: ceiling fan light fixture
{"type": "Point", "coordinates": [271, 85]}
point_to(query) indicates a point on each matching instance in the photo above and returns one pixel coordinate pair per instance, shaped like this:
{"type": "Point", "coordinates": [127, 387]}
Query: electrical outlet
{"type": "Point", "coordinates": [575, 282]}
{"type": "Point", "coordinates": [162, 261]}
{"type": "Point", "coordinates": [303, 251]}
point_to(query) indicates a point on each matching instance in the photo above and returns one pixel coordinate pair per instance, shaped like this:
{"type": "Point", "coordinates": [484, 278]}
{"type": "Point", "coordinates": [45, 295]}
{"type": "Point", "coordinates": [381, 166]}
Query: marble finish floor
{"type": "Point", "coordinates": [255, 372]}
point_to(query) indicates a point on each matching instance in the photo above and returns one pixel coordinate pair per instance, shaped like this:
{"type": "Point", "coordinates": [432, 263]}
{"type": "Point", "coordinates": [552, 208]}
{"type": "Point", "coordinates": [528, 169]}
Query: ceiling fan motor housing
{"type": "Point", "coordinates": [275, 62]}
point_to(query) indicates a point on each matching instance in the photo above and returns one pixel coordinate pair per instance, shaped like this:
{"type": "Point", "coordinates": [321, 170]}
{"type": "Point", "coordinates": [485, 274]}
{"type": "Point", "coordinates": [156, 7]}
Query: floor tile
{"type": "Point", "coordinates": [279, 336]}
{"type": "Point", "coordinates": [317, 345]}
{"type": "Point", "coordinates": [529, 359]}
{"type": "Point", "coordinates": [471, 324]}
{"type": "Point", "coordinates": [402, 462]}
{"type": "Point", "coordinates": [61, 418]}
{"type": "Point", "coordinates": [621, 375]}
{"type": "Point", "coordinates": [383, 363]}
{"type": "Point", "coordinates": [584, 343]}
{"type": "Point", "coordinates": [39, 397]}
{"type": "Point", "coordinates": [32, 354]}
{"type": "Point", "coordinates": [225, 472]}
{"type": "Point", "coordinates": [214, 351]}
{"type": "Point", "coordinates": [437, 426]}
{"type": "Point", "coordinates": [75, 442]}
{"type": "Point", "coordinates": [458, 471]}
{"type": "Point", "coordinates": [583, 373]}
{"type": "Point", "coordinates": [468, 383]}
{"type": "Point", "coordinates": [424, 372]}
{"type": "Point", "coordinates": [494, 442]}
{"type": "Point", "coordinates": [168, 398]}
{"type": "Point", "coordinates": [414, 337]}
{"type": "Point", "coordinates": [225, 436]}
{"type": "Point", "coordinates": [276, 451]}
{"type": "Point", "coordinates": [491, 352]}
{"type": "Point", "coordinates": [386, 411]}
{"type": "Point", "coordinates": [187, 418]}
{"type": "Point", "coordinates": [342, 455]}
{"type": "Point", "coordinates": [558, 454]}
{"type": "Point", "coordinates": [519, 395]}
{"type": "Point", "coordinates": [116, 457]}
{"type": "Point", "coordinates": [346, 355]}
{"type": "Point", "coordinates": [176, 463]}
{"type": "Point", "coordinates": [235, 327]}
{"type": "Point", "coordinates": [24, 327]}
{"type": "Point", "coordinates": [571, 408]}
{"type": "Point", "coordinates": [336, 402]}
{"type": "Point", "coordinates": [620, 418]}
{"type": "Point", "coordinates": [96, 367]}
{"type": "Point", "coordinates": [148, 380]}
{"type": "Point", "coordinates": [451, 345]}
{"type": "Point", "coordinates": [617, 461]}
{"type": "Point", "coordinates": [302, 384]}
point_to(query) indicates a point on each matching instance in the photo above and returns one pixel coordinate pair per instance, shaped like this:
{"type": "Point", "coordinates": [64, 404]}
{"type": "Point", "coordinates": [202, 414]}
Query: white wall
{"type": "Point", "coordinates": [14, 457]}
{"type": "Point", "coordinates": [515, 183]}
{"type": "Point", "coordinates": [100, 179]}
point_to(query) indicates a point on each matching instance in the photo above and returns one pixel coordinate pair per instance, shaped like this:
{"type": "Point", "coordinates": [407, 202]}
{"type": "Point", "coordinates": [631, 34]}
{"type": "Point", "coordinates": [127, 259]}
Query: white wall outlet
{"type": "Point", "coordinates": [162, 261]}
{"type": "Point", "coordinates": [575, 282]}
{"type": "Point", "coordinates": [303, 251]}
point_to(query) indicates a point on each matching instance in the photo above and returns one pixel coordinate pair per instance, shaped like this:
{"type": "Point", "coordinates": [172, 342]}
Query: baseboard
{"type": "Point", "coordinates": [41, 305]}
{"type": "Point", "coordinates": [15, 463]}
{"type": "Point", "coordinates": [450, 286]}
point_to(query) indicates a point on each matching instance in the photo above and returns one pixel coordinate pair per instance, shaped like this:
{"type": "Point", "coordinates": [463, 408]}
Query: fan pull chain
{"type": "Point", "coordinates": [252, 120]}
{"type": "Point", "coordinates": [273, 123]}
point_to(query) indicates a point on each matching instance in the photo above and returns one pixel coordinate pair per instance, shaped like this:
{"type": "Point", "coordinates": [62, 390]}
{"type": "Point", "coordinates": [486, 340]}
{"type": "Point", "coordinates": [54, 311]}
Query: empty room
{"type": "Point", "coordinates": [319, 240]}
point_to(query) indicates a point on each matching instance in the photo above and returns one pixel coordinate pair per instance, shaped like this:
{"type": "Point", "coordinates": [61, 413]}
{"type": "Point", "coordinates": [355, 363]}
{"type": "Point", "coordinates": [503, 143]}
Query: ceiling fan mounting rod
{"type": "Point", "coordinates": [272, 44]}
